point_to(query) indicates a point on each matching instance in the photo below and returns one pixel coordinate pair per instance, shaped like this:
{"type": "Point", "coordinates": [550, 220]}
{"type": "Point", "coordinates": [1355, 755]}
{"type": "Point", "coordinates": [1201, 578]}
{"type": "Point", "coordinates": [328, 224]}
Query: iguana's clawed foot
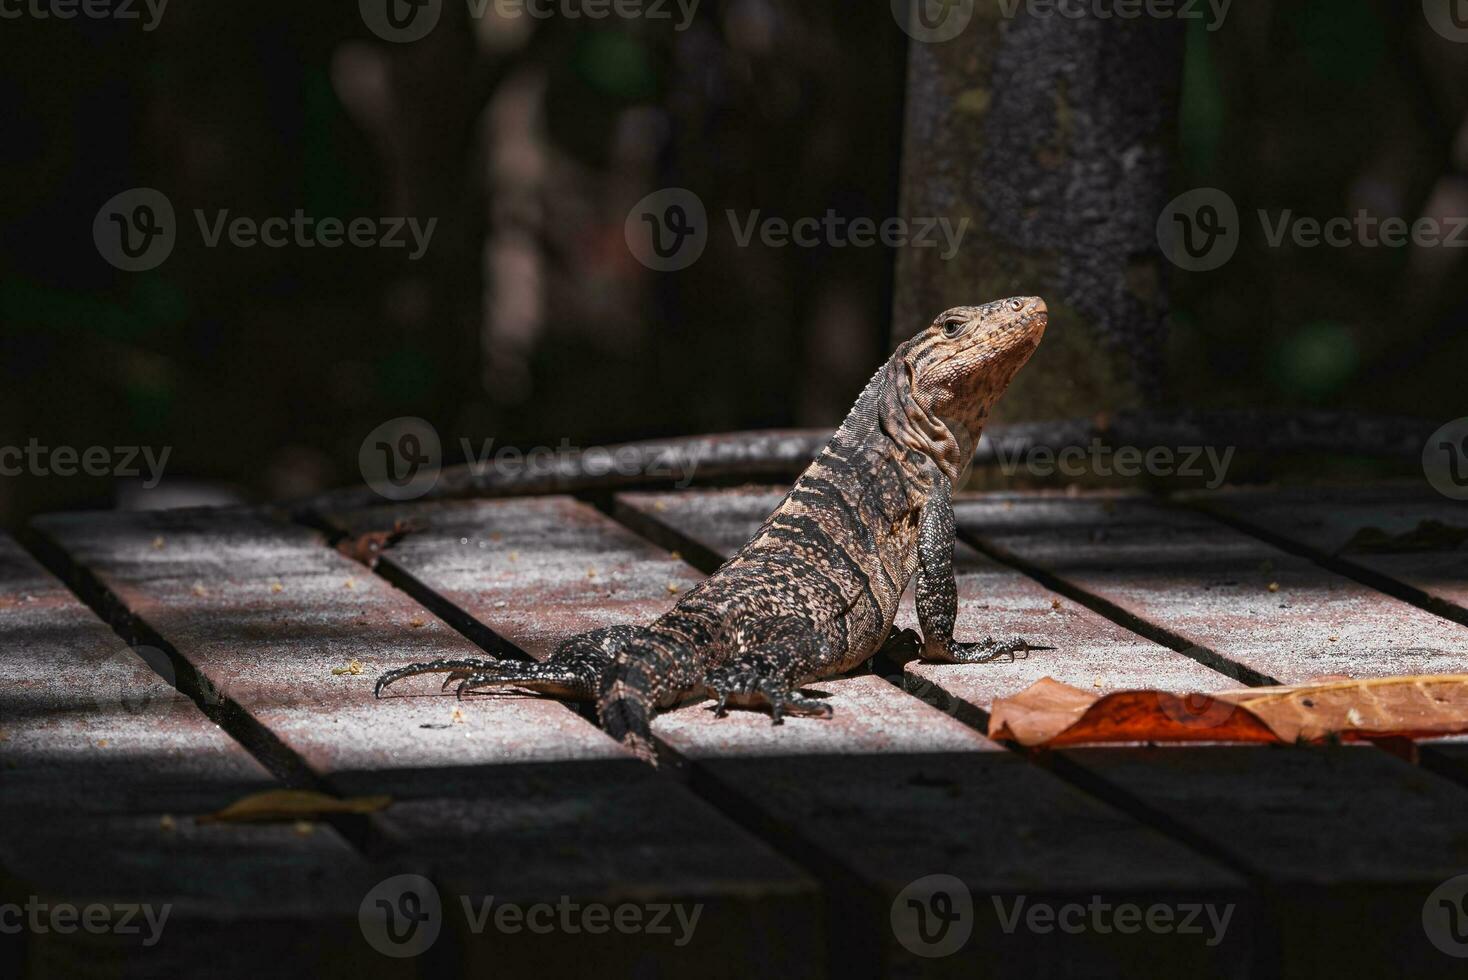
{"type": "Point", "coordinates": [747, 683]}
{"type": "Point", "coordinates": [456, 669]}
{"type": "Point", "coordinates": [990, 650]}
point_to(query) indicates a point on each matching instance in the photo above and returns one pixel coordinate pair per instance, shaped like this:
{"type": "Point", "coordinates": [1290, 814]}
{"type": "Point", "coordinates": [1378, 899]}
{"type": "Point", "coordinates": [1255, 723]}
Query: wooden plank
{"type": "Point", "coordinates": [105, 768]}
{"type": "Point", "coordinates": [1266, 812]}
{"type": "Point", "coordinates": [923, 757]}
{"type": "Point", "coordinates": [512, 800]}
{"type": "Point", "coordinates": [1322, 522]}
{"type": "Point", "coordinates": [994, 600]}
{"type": "Point", "coordinates": [1349, 843]}
{"type": "Point", "coordinates": [1192, 581]}
{"type": "Point", "coordinates": [1344, 884]}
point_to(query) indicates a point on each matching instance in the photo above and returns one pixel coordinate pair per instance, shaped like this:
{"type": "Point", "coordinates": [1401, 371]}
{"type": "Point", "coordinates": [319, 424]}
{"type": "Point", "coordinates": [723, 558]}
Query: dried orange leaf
{"type": "Point", "coordinates": [1055, 714]}
{"type": "Point", "coordinates": [291, 805]}
{"type": "Point", "coordinates": [1402, 707]}
{"type": "Point", "coordinates": [1051, 713]}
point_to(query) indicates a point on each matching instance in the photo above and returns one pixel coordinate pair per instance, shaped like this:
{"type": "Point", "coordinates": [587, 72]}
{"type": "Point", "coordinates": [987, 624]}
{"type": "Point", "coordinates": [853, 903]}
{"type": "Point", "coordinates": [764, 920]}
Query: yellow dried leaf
{"type": "Point", "coordinates": [291, 806]}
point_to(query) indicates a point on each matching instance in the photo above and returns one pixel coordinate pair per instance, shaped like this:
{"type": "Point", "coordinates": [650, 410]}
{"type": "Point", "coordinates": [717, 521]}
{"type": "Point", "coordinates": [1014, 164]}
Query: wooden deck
{"type": "Point", "coordinates": [808, 849]}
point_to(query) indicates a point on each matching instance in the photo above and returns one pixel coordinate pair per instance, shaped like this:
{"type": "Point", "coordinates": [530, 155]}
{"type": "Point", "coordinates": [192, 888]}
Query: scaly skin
{"type": "Point", "coordinates": [815, 591]}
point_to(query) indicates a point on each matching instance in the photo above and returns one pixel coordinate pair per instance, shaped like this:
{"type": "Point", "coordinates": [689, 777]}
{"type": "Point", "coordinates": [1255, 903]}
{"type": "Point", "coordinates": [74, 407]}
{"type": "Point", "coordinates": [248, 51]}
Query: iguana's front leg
{"type": "Point", "coordinates": [937, 592]}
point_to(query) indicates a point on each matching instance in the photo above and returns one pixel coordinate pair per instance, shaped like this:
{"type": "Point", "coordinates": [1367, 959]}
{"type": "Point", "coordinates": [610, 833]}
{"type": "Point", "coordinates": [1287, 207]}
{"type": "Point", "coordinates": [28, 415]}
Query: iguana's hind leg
{"type": "Point", "coordinates": [573, 672]}
{"type": "Point", "coordinates": [770, 672]}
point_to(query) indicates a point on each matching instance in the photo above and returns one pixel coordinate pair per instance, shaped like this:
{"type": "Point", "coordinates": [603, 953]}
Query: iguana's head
{"type": "Point", "coordinates": [960, 365]}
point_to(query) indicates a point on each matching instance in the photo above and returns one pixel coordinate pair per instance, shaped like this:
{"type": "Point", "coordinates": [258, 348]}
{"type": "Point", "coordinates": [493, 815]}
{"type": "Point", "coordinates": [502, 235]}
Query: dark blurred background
{"type": "Point", "coordinates": [529, 321]}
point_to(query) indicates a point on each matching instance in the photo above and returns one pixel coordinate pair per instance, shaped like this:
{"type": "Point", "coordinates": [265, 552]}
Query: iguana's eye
{"type": "Point", "coordinates": [953, 328]}
{"type": "Point", "coordinates": [1016, 305]}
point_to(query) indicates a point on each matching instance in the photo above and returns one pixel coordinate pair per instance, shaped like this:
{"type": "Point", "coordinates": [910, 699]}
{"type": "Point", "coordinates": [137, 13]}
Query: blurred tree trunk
{"type": "Point", "coordinates": [1055, 138]}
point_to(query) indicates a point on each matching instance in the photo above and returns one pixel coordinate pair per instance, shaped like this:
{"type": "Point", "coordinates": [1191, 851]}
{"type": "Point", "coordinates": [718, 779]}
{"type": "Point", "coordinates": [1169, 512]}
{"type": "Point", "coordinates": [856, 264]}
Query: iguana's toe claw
{"type": "Point", "coordinates": [431, 667]}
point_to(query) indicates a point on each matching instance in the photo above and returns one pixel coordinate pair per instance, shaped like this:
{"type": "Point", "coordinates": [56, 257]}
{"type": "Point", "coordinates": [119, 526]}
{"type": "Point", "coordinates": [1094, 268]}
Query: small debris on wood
{"type": "Point", "coordinates": [417, 622]}
{"type": "Point", "coordinates": [199, 589]}
{"type": "Point", "coordinates": [353, 668]}
{"type": "Point", "coordinates": [158, 543]}
{"type": "Point", "coordinates": [167, 824]}
{"type": "Point", "coordinates": [368, 548]}
{"type": "Point", "coordinates": [277, 587]}
{"type": "Point", "coordinates": [1273, 586]}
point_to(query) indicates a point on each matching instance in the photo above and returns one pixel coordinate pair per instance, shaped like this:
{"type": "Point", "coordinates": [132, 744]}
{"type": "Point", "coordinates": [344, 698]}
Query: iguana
{"type": "Point", "coordinates": [814, 593]}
